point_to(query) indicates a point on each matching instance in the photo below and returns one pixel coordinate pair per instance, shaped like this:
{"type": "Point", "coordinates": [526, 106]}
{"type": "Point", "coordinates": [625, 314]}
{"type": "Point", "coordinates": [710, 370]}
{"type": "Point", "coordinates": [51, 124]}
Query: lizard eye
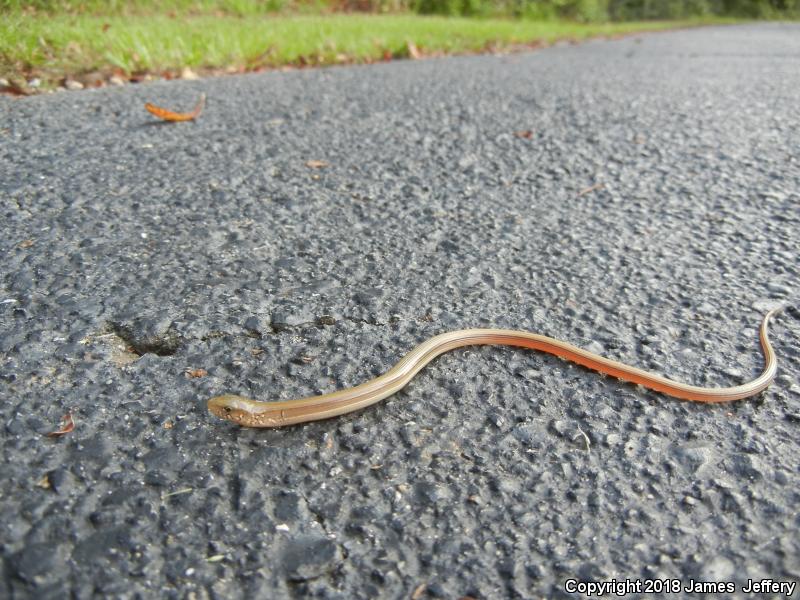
{"type": "Point", "coordinates": [227, 409]}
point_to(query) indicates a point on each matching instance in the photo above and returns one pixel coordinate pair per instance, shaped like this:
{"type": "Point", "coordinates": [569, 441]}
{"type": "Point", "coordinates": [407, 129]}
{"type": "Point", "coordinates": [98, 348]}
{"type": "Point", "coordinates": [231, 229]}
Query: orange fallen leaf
{"type": "Point", "coordinates": [413, 51]}
{"type": "Point", "coordinates": [316, 164]}
{"type": "Point", "coordinates": [193, 373]}
{"type": "Point", "coordinates": [168, 115]}
{"type": "Point", "coordinates": [67, 425]}
{"type": "Point", "coordinates": [527, 134]}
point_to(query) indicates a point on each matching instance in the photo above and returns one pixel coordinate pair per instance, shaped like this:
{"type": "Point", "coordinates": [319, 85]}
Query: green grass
{"type": "Point", "coordinates": [54, 46]}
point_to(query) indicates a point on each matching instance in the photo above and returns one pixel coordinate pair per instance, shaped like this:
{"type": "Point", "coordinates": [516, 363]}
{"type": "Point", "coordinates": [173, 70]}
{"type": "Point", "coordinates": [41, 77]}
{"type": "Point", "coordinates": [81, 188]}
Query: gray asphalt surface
{"type": "Point", "coordinates": [134, 251]}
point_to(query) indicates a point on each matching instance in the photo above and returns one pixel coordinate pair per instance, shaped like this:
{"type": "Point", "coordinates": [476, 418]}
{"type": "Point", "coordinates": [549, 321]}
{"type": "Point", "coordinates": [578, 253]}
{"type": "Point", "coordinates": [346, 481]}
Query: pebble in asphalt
{"type": "Point", "coordinates": [638, 197]}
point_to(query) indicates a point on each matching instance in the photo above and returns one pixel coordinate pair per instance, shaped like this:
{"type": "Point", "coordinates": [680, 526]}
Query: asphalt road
{"type": "Point", "coordinates": [638, 197]}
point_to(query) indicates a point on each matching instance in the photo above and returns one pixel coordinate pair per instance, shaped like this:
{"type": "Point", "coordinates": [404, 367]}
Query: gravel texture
{"type": "Point", "coordinates": [148, 266]}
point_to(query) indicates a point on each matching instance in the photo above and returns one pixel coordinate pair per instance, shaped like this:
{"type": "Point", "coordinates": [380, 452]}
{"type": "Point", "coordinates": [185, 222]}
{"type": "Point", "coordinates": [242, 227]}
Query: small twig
{"type": "Point", "coordinates": [585, 439]}
{"type": "Point", "coordinates": [177, 492]}
{"type": "Point", "coordinates": [591, 188]}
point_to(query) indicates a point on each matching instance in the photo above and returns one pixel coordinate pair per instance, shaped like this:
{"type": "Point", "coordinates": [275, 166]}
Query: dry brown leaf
{"type": "Point", "coordinates": [16, 88]}
{"type": "Point", "coordinates": [526, 134]}
{"type": "Point", "coordinates": [420, 589]}
{"type": "Point", "coordinates": [316, 164]}
{"type": "Point", "coordinates": [168, 115]}
{"type": "Point", "coordinates": [188, 73]}
{"type": "Point", "coordinates": [25, 244]}
{"type": "Point", "coordinates": [67, 425]}
{"type": "Point", "coordinates": [413, 51]}
{"type": "Point", "coordinates": [194, 373]}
